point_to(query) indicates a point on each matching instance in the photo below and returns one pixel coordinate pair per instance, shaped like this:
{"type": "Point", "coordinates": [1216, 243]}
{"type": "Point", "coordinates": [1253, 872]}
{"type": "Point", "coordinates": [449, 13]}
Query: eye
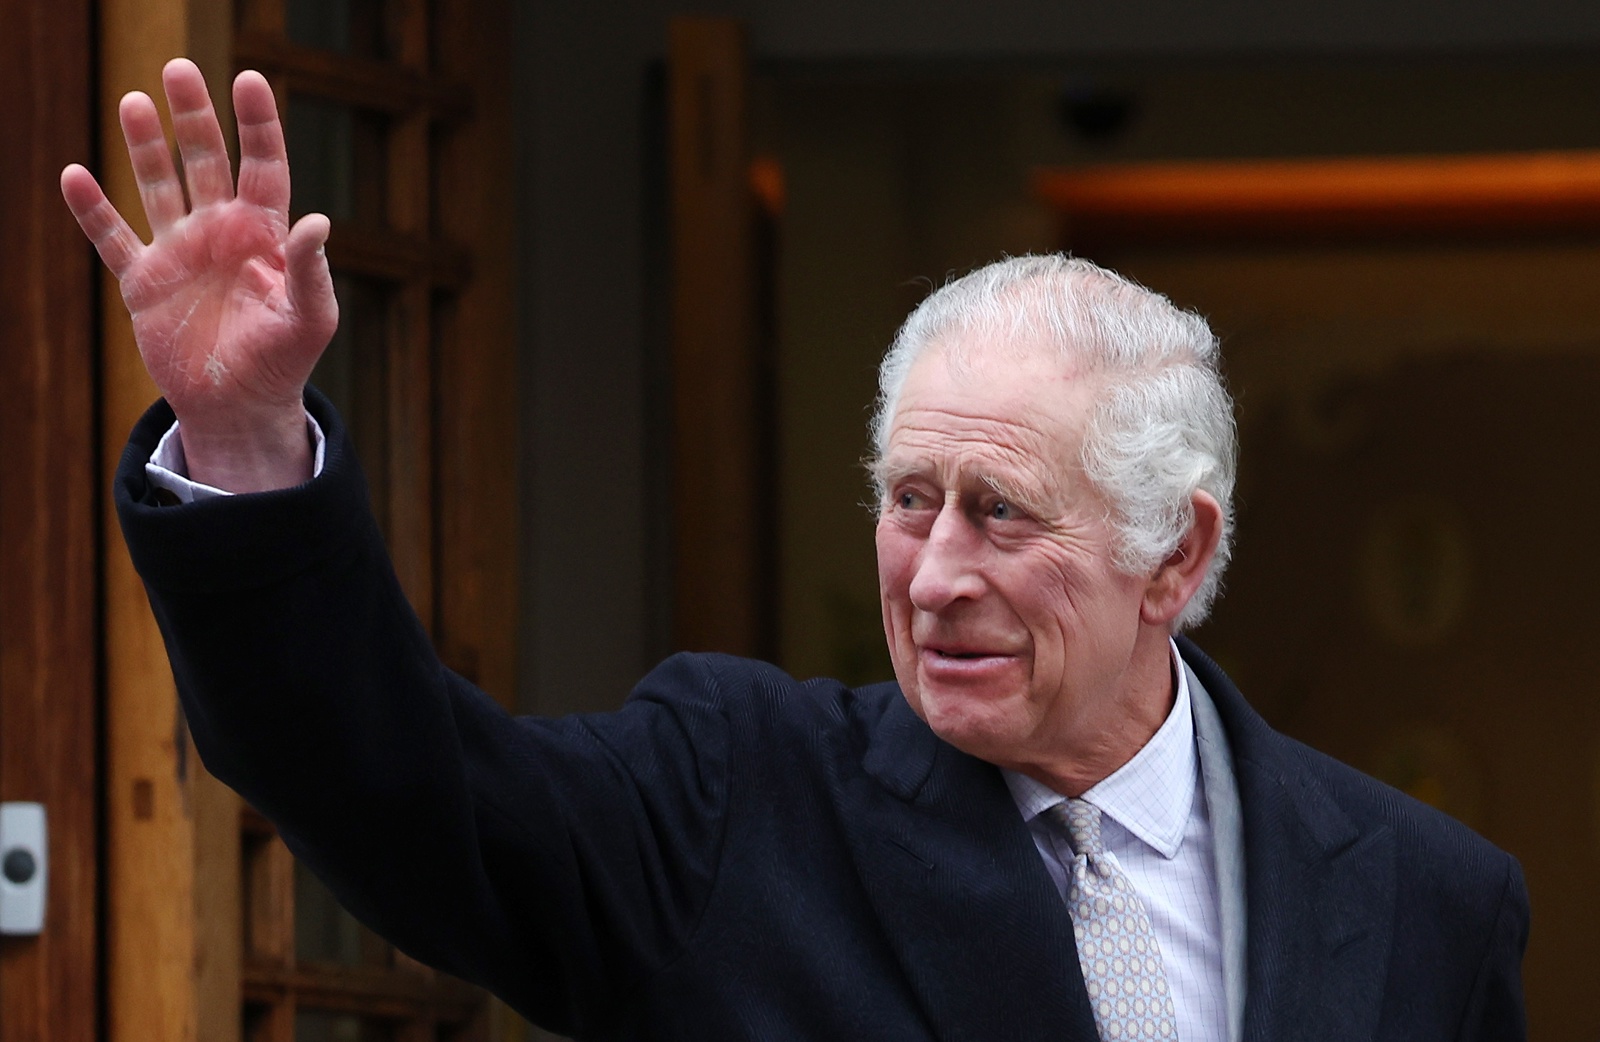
{"type": "Point", "coordinates": [907, 500]}
{"type": "Point", "coordinates": [1003, 511]}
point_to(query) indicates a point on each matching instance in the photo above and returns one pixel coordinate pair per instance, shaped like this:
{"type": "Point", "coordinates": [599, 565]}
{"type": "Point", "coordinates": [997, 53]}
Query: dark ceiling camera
{"type": "Point", "coordinates": [1095, 114]}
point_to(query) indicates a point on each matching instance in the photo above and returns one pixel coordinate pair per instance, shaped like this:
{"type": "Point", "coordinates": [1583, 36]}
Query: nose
{"type": "Point", "coordinates": [947, 568]}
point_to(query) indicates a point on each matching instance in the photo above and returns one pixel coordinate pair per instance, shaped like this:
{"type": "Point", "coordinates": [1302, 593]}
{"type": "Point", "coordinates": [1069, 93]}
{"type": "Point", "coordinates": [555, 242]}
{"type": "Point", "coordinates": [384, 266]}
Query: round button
{"type": "Point", "coordinates": [18, 866]}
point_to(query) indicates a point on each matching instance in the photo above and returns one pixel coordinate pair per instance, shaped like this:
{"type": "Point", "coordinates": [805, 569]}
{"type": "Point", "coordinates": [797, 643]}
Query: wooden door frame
{"type": "Point", "coordinates": [49, 986]}
{"type": "Point", "coordinates": [722, 455]}
{"type": "Point", "coordinates": [172, 874]}
{"type": "Point", "coordinates": [172, 865]}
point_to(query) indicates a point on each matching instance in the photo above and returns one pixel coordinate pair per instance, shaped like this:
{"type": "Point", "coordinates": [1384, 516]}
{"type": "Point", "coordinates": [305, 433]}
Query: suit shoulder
{"type": "Point", "coordinates": [760, 695]}
{"type": "Point", "coordinates": [1434, 848]}
{"type": "Point", "coordinates": [1429, 841]}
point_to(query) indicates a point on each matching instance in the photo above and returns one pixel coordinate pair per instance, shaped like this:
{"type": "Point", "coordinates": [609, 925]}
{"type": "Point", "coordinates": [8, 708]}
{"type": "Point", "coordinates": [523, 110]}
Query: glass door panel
{"type": "Point", "coordinates": [359, 28]}
{"type": "Point", "coordinates": [340, 157]}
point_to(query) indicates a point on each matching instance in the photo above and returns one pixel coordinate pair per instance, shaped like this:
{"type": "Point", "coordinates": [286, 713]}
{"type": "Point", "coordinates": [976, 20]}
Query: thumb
{"type": "Point", "coordinates": [309, 283]}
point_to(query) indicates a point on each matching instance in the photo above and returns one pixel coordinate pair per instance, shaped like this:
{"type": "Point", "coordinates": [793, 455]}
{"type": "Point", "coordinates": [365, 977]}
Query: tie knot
{"type": "Point", "coordinates": [1082, 822]}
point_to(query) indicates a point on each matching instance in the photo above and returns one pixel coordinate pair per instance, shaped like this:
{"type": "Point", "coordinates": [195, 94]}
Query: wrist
{"type": "Point", "coordinates": [254, 453]}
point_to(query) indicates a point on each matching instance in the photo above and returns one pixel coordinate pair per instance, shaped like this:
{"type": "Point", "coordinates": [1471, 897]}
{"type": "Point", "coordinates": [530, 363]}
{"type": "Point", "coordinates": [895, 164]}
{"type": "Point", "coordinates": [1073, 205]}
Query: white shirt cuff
{"type": "Point", "coordinates": [168, 470]}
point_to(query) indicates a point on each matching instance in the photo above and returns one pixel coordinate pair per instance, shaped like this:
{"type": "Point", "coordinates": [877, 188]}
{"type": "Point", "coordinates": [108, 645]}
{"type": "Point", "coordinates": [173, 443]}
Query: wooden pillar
{"type": "Point", "coordinates": [475, 360]}
{"type": "Point", "coordinates": [410, 510]}
{"type": "Point", "coordinates": [722, 516]}
{"type": "Point", "coordinates": [172, 837]}
{"type": "Point", "coordinates": [48, 719]}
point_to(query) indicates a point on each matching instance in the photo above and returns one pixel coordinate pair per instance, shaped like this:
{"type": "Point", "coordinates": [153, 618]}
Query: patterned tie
{"type": "Point", "coordinates": [1117, 949]}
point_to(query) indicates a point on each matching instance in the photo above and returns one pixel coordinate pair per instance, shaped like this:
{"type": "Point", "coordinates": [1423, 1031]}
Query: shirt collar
{"type": "Point", "coordinates": [1151, 794]}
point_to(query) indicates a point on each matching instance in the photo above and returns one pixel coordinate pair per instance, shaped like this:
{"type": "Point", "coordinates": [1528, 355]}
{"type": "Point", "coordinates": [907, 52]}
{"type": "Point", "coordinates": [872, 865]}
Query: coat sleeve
{"type": "Point", "coordinates": [1495, 1010]}
{"type": "Point", "coordinates": [556, 862]}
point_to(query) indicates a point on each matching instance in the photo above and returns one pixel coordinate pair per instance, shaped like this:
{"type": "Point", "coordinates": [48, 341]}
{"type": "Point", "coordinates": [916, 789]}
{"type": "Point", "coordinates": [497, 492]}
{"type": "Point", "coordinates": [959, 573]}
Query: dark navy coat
{"type": "Point", "coordinates": [738, 855]}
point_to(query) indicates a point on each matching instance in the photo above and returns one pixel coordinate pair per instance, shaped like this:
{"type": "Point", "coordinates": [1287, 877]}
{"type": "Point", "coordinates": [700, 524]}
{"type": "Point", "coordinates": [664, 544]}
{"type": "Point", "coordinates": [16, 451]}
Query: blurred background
{"type": "Point", "coordinates": [1412, 343]}
{"type": "Point", "coordinates": [615, 281]}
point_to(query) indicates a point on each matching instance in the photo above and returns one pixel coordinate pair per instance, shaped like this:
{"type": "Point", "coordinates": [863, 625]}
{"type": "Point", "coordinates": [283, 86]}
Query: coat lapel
{"type": "Point", "coordinates": [964, 899]}
{"type": "Point", "coordinates": [1320, 890]}
{"type": "Point", "coordinates": [961, 892]}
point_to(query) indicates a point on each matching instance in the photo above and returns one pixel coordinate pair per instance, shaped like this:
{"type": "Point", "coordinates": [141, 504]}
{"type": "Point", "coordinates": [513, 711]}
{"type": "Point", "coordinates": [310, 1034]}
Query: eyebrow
{"type": "Point", "coordinates": [884, 473]}
{"type": "Point", "coordinates": [1028, 495]}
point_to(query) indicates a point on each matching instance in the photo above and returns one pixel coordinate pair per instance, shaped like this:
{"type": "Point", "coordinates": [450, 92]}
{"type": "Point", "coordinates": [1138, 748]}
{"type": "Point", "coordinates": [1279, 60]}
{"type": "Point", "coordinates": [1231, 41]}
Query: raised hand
{"type": "Point", "coordinates": [231, 307]}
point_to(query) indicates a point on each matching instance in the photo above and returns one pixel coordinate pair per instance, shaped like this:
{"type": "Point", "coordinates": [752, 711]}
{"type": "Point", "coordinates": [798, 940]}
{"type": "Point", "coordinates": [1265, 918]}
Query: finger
{"type": "Point", "coordinates": [116, 243]}
{"type": "Point", "coordinates": [151, 157]}
{"type": "Point", "coordinates": [263, 161]}
{"type": "Point", "coordinates": [309, 282]}
{"type": "Point", "coordinates": [206, 168]}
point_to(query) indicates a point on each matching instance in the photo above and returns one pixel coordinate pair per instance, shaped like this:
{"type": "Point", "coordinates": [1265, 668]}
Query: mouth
{"type": "Point", "coordinates": [962, 649]}
{"type": "Point", "coordinates": [962, 656]}
{"type": "Point", "coordinates": [955, 661]}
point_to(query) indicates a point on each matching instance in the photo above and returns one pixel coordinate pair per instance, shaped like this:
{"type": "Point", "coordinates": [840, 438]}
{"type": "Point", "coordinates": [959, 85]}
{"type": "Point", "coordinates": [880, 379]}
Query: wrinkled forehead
{"type": "Point", "coordinates": [1010, 423]}
{"type": "Point", "coordinates": [1003, 391]}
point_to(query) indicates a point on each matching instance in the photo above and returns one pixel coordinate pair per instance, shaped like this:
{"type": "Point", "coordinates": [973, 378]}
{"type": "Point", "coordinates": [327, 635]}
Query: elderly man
{"type": "Point", "coordinates": [1060, 822]}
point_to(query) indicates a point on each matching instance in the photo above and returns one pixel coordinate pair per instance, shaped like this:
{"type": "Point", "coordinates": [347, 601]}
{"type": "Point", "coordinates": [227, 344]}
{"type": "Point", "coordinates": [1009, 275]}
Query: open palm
{"type": "Point", "coordinates": [231, 307]}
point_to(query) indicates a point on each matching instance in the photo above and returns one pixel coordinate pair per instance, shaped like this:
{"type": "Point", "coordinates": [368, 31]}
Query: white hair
{"type": "Point", "coordinates": [1163, 425]}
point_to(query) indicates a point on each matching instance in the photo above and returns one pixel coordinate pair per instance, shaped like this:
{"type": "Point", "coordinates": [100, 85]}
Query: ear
{"type": "Point", "coordinates": [1180, 575]}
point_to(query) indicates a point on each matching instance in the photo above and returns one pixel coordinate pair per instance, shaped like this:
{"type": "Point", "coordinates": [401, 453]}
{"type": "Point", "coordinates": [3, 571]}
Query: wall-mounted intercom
{"type": "Point", "coordinates": [24, 868]}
